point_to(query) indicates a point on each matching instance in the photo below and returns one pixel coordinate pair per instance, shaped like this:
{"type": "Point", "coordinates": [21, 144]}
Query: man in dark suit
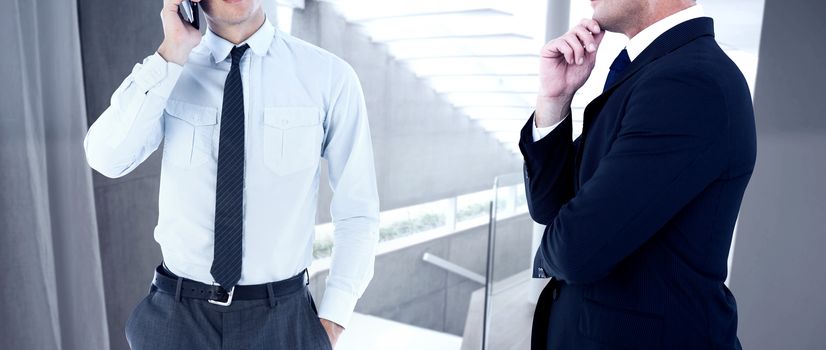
{"type": "Point", "coordinates": [639, 209]}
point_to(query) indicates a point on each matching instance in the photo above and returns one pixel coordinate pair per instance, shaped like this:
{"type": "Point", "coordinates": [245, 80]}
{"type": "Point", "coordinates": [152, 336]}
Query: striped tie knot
{"type": "Point", "coordinates": [238, 52]}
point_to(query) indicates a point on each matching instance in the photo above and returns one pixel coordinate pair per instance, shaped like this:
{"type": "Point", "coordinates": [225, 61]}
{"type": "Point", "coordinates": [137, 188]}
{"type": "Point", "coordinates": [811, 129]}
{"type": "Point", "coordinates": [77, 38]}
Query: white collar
{"type": "Point", "coordinates": [259, 42]}
{"type": "Point", "coordinates": [647, 36]}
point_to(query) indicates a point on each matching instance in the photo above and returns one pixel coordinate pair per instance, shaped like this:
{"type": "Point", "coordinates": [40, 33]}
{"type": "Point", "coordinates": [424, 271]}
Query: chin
{"type": "Point", "coordinates": [235, 18]}
{"type": "Point", "coordinates": [606, 21]}
{"type": "Point", "coordinates": [230, 11]}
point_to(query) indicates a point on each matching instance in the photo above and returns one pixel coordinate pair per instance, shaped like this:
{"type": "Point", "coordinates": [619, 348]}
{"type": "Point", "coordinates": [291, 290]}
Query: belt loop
{"type": "Point", "coordinates": [178, 289]}
{"type": "Point", "coordinates": [271, 295]}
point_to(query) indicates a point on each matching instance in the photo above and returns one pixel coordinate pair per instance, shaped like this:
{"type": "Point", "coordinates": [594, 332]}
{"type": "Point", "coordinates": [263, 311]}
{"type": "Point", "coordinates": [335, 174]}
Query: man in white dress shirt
{"type": "Point", "coordinates": [245, 114]}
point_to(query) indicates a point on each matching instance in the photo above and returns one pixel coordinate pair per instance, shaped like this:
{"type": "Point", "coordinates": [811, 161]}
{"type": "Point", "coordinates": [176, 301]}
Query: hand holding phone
{"type": "Point", "coordinates": [180, 34]}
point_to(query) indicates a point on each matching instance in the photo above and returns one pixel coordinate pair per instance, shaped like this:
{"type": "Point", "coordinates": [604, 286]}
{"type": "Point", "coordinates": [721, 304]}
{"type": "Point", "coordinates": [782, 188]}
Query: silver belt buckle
{"type": "Point", "coordinates": [223, 303]}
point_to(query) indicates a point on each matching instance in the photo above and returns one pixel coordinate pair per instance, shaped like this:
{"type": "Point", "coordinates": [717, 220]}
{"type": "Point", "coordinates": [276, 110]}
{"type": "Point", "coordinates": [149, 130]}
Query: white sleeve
{"type": "Point", "coordinates": [131, 128]}
{"type": "Point", "coordinates": [355, 204]}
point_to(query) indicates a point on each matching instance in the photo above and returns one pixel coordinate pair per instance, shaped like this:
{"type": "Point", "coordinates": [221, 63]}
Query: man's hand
{"type": "Point", "coordinates": [333, 330]}
{"type": "Point", "coordinates": [179, 37]}
{"type": "Point", "coordinates": [564, 66]}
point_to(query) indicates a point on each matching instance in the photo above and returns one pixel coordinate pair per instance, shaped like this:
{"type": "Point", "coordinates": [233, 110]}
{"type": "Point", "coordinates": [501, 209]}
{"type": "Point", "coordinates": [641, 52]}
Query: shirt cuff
{"type": "Point", "coordinates": [337, 306]}
{"type": "Point", "coordinates": [158, 76]}
{"type": "Point", "coordinates": [540, 133]}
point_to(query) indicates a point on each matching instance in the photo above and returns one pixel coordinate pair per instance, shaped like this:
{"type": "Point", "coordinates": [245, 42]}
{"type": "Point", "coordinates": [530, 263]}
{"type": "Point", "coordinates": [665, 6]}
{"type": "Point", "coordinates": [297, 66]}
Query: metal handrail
{"type": "Point", "coordinates": [500, 181]}
{"type": "Point", "coordinates": [454, 268]}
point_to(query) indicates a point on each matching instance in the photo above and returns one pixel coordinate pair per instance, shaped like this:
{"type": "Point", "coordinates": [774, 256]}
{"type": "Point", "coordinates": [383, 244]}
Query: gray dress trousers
{"type": "Point", "coordinates": [290, 322]}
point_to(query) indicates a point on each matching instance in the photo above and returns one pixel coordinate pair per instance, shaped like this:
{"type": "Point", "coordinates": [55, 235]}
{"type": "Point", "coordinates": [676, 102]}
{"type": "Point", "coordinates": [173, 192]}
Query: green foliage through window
{"type": "Point", "coordinates": [323, 247]}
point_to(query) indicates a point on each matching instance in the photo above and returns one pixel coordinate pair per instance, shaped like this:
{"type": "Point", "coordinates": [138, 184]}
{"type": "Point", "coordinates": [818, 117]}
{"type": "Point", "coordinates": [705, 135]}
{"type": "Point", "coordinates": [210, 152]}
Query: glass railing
{"type": "Point", "coordinates": [508, 303]}
{"type": "Point", "coordinates": [438, 283]}
{"type": "Point", "coordinates": [434, 218]}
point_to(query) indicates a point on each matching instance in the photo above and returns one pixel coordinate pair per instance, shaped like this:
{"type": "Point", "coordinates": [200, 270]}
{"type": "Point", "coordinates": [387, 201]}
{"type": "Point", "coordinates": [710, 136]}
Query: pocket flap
{"type": "Point", "coordinates": [290, 117]}
{"type": "Point", "coordinates": [192, 113]}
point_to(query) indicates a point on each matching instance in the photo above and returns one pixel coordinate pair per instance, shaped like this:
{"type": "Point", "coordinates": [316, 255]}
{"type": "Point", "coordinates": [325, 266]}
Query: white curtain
{"type": "Point", "coordinates": [51, 289]}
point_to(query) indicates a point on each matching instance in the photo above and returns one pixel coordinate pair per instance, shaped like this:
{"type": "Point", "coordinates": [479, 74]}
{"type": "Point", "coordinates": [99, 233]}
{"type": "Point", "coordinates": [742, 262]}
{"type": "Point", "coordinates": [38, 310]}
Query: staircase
{"type": "Point", "coordinates": [480, 55]}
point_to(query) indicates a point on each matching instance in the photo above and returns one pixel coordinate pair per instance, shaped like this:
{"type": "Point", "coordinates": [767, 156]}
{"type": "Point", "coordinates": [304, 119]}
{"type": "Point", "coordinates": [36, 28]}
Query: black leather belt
{"type": "Point", "coordinates": [169, 283]}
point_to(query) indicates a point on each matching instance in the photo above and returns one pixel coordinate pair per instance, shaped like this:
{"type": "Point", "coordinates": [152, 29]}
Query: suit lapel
{"type": "Point", "coordinates": [669, 41]}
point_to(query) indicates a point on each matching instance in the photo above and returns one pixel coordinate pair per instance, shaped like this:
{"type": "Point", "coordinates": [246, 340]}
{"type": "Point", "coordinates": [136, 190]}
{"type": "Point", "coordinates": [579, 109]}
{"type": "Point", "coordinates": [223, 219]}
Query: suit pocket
{"type": "Point", "coordinates": [620, 327]}
{"type": "Point", "coordinates": [189, 131]}
{"type": "Point", "coordinates": [292, 138]}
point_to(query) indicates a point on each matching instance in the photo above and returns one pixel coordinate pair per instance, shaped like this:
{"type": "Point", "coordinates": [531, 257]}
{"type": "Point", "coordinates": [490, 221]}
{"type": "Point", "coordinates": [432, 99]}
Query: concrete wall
{"type": "Point", "coordinates": [406, 289]}
{"type": "Point", "coordinates": [778, 274]}
{"type": "Point", "coordinates": [424, 150]}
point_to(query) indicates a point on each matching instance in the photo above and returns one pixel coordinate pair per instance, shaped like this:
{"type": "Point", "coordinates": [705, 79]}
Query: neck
{"type": "Point", "coordinates": [660, 10]}
{"type": "Point", "coordinates": [237, 33]}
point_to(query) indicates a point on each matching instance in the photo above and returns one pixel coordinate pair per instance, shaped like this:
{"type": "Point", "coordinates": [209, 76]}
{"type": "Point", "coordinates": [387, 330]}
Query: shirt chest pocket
{"type": "Point", "coordinates": [292, 138]}
{"type": "Point", "coordinates": [189, 132]}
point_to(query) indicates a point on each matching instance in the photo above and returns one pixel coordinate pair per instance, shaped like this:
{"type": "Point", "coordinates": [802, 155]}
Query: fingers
{"type": "Point", "coordinates": [558, 48]}
{"type": "Point", "coordinates": [594, 28]}
{"type": "Point", "coordinates": [591, 25]}
{"type": "Point", "coordinates": [170, 6]}
{"type": "Point", "coordinates": [578, 45]}
{"type": "Point", "coordinates": [579, 51]}
{"type": "Point", "coordinates": [566, 50]}
{"type": "Point", "coordinates": [586, 39]}
{"type": "Point", "coordinates": [167, 4]}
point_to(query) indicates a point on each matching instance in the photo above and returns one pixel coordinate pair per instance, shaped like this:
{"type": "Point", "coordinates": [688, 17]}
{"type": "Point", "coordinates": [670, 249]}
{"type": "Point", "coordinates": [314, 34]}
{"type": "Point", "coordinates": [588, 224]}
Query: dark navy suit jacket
{"type": "Point", "coordinates": [640, 208]}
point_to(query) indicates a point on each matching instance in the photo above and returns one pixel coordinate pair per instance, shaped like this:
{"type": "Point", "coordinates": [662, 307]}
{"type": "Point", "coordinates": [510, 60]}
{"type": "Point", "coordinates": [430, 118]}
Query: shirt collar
{"type": "Point", "coordinates": [647, 36]}
{"type": "Point", "coordinates": [259, 42]}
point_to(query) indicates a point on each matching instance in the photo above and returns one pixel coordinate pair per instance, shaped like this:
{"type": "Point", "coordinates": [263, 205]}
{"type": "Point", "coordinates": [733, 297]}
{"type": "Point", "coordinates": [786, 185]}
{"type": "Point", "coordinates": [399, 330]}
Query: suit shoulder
{"type": "Point", "coordinates": [702, 60]}
{"type": "Point", "coordinates": [699, 77]}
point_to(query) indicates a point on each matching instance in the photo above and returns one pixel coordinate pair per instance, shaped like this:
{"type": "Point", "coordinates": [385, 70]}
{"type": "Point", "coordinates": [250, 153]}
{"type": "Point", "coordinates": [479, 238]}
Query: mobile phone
{"type": "Point", "coordinates": [189, 12]}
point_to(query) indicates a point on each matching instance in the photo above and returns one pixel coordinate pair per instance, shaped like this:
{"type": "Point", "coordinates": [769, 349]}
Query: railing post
{"type": "Point", "coordinates": [450, 216]}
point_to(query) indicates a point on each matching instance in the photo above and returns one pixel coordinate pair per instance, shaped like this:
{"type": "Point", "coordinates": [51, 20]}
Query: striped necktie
{"type": "Point", "coordinates": [229, 189]}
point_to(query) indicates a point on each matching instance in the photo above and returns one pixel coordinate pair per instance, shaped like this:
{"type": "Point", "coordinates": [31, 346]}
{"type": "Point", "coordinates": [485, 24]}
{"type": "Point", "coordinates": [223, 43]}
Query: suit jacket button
{"type": "Point", "coordinates": [540, 272]}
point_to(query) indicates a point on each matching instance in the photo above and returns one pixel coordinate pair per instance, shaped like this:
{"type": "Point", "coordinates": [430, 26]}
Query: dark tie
{"type": "Point", "coordinates": [619, 66]}
{"type": "Point", "coordinates": [229, 189]}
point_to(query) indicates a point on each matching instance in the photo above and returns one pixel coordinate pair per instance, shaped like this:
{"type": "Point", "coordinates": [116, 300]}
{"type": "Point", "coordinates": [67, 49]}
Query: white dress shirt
{"type": "Point", "coordinates": [637, 45]}
{"type": "Point", "coordinates": [301, 103]}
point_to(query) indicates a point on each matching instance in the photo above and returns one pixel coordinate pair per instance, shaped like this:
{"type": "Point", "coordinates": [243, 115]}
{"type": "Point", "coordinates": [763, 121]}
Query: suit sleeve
{"type": "Point", "coordinates": [668, 149]}
{"type": "Point", "coordinates": [549, 169]}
